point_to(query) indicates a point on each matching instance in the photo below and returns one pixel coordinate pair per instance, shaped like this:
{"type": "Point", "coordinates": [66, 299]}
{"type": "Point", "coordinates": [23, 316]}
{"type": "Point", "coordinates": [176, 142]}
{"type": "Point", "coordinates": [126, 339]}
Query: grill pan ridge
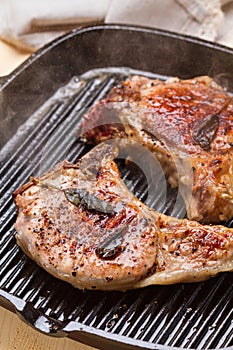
{"type": "Point", "coordinates": [42, 113]}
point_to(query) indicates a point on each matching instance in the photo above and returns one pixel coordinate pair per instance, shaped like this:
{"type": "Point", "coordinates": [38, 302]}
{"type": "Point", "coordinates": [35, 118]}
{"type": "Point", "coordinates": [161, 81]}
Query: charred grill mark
{"type": "Point", "coordinates": [151, 135]}
{"type": "Point", "coordinates": [215, 162]}
{"type": "Point", "coordinates": [152, 270]}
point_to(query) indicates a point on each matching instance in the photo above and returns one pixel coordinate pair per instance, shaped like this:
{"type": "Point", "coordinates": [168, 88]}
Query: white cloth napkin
{"type": "Point", "coordinates": [30, 24]}
{"type": "Point", "coordinates": [207, 19]}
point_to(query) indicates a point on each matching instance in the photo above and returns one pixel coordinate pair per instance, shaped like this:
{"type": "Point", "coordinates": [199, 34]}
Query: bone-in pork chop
{"type": "Point", "coordinates": [187, 125]}
{"type": "Point", "coordinates": [82, 225]}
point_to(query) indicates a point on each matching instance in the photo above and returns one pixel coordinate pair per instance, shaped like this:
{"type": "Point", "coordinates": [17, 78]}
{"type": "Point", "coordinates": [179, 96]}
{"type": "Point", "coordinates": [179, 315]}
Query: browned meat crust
{"type": "Point", "coordinates": [187, 125]}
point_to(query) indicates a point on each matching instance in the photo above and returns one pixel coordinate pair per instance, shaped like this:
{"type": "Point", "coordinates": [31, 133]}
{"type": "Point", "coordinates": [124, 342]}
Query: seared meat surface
{"type": "Point", "coordinates": [82, 224]}
{"type": "Point", "coordinates": [187, 125]}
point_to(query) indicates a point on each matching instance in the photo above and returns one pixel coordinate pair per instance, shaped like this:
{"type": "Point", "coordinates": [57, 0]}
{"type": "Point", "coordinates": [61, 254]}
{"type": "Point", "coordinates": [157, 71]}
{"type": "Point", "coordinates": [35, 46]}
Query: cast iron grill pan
{"type": "Point", "coordinates": [189, 316]}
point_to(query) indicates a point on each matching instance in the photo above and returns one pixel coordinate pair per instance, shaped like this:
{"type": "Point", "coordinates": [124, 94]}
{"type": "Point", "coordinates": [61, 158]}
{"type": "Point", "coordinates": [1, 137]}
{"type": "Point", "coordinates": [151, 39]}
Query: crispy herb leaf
{"type": "Point", "coordinates": [205, 131]}
{"type": "Point", "coordinates": [78, 196]}
{"type": "Point", "coordinates": [112, 247]}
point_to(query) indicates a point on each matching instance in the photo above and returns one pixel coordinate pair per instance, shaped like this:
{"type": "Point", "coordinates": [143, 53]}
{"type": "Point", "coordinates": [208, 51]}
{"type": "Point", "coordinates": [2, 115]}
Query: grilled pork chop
{"type": "Point", "coordinates": [187, 125]}
{"type": "Point", "coordinates": [82, 224]}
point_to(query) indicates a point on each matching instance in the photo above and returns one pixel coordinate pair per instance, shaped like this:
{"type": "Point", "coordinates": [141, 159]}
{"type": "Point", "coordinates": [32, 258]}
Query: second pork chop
{"type": "Point", "coordinates": [187, 125]}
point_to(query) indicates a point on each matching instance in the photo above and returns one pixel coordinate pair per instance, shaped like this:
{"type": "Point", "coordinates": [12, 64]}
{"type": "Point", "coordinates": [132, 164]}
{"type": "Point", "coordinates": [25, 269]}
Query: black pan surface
{"type": "Point", "coordinates": [41, 104]}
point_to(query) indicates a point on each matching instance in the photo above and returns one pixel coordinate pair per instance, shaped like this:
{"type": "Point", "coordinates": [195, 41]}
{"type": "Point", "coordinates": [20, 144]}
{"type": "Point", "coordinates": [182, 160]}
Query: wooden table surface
{"type": "Point", "coordinates": [14, 333]}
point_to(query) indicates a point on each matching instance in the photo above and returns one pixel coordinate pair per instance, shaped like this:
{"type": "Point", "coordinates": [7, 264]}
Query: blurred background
{"type": "Point", "coordinates": [26, 25]}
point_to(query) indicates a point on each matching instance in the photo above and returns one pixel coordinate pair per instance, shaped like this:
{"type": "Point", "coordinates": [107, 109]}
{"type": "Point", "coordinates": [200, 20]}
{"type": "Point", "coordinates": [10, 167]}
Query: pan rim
{"type": "Point", "coordinates": [5, 80]}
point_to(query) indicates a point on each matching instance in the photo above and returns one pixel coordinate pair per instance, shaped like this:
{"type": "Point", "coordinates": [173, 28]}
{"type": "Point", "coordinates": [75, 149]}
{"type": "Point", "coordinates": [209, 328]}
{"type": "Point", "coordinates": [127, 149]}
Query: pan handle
{"type": "Point", "coordinates": [31, 316]}
{"type": "Point", "coordinates": [41, 322]}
